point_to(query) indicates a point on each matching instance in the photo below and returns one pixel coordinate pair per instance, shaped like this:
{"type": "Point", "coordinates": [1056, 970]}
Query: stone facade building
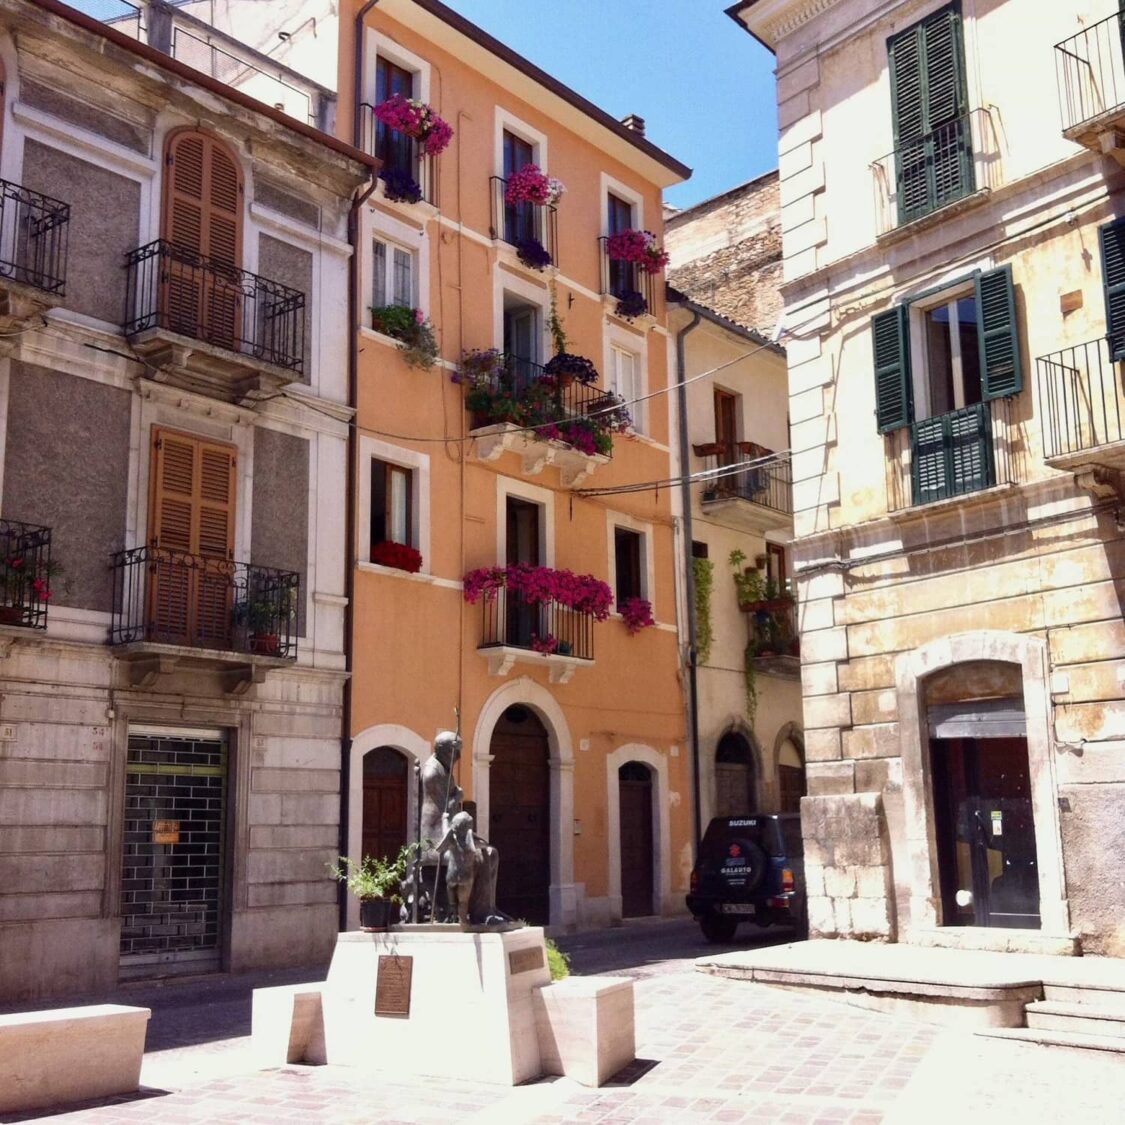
{"type": "Point", "coordinates": [174, 416]}
{"type": "Point", "coordinates": [951, 196]}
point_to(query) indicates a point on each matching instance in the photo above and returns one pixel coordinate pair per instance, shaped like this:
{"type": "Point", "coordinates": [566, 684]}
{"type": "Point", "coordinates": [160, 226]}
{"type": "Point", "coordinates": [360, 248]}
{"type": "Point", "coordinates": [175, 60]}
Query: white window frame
{"type": "Point", "coordinates": [380, 46]}
{"type": "Point", "coordinates": [630, 195]}
{"type": "Point", "coordinates": [388, 229]}
{"type": "Point", "coordinates": [388, 268]}
{"type": "Point", "coordinates": [526, 290]}
{"type": "Point", "coordinates": [371, 449]}
{"type": "Point", "coordinates": [521, 490]}
{"type": "Point", "coordinates": [920, 353]}
{"type": "Point", "coordinates": [506, 121]}
{"type": "Point", "coordinates": [617, 336]}
{"type": "Point", "coordinates": [614, 520]}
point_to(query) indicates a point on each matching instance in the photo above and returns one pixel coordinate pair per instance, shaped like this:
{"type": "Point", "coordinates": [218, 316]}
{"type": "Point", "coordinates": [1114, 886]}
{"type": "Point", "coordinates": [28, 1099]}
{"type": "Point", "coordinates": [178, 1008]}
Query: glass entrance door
{"type": "Point", "coordinates": [985, 832]}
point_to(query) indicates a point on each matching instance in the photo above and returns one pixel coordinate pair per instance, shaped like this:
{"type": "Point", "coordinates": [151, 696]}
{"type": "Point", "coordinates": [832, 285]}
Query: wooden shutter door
{"type": "Point", "coordinates": [215, 544]}
{"type": "Point", "coordinates": [907, 77]}
{"type": "Point", "coordinates": [950, 147]}
{"type": "Point", "coordinates": [1000, 363]}
{"type": "Point", "coordinates": [1112, 239]}
{"type": "Point", "coordinates": [893, 392]}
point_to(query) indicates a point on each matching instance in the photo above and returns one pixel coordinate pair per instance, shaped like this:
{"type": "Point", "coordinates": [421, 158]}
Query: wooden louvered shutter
{"type": "Point", "coordinates": [908, 117]}
{"type": "Point", "coordinates": [952, 454]}
{"type": "Point", "coordinates": [1112, 240]}
{"type": "Point", "coordinates": [1000, 364]}
{"type": "Point", "coordinates": [215, 543]}
{"type": "Point", "coordinates": [893, 392]}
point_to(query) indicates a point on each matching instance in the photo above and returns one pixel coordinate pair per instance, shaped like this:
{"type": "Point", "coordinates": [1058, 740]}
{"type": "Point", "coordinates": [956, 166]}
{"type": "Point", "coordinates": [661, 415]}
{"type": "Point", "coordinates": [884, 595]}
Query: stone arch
{"type": "Point", "coordinates": [661, 824]}
{"type": "Point", "coordinates": [791, 734]}
{"type": "Point", "coordinates": [911, 671]}
{"type": "Point", "coordinates": [737, 747]}
{"type": "Point", "coordinates": [527, 693]}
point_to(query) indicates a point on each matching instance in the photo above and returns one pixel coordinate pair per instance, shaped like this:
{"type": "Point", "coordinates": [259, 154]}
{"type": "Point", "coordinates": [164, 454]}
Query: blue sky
{"type": "Point", "coordinates": [704, 87]}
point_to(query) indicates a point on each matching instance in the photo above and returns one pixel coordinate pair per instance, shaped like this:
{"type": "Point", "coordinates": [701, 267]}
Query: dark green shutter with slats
{"type": "Point", "coordinates": [1001, 371]}
{"type": "Point", "coordinates": [952, 454]}
{"type": "Point", "coordinates": [893, 398]}
{"type": "Point", "coordinates": [1112, 239]}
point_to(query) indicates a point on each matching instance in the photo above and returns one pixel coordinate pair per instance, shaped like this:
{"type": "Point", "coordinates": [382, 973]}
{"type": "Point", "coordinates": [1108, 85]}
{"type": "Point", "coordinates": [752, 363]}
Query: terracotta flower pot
{"type": "Point", "coordinates": [265, 644]}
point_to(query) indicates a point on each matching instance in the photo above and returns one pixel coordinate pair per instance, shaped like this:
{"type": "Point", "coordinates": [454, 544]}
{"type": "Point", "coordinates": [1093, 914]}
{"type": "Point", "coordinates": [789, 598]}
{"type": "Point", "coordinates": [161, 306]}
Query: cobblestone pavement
{"type": "Point", "coordinates": [709, 1049]}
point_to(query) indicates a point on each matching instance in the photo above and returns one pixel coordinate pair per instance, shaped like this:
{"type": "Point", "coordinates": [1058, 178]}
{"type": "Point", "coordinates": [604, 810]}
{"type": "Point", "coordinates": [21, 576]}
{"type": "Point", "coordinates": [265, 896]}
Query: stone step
{"type": "Point", "coordinates": [1041, 1037]}
{"type": "Point", "coordinates": [1051, 1015]}
{"type": "Point", "coordinates": [1101, 996]}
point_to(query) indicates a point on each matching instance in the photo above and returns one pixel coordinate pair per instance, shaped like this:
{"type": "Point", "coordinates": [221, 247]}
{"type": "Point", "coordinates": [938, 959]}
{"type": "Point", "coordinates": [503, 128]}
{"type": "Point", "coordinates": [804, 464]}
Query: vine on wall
{"type": "Point", "coordinates": [704, 634]}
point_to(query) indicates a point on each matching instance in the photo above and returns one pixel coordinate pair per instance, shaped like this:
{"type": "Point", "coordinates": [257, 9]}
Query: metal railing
{"type": "Point", "coordinates": [1090, 70]}
{"type": "Point", "coordinates": [398, 152]}
{"type": "Point", "coordinates": [175, 289]}
{"type": "Point", "coordinates": [170, 597]}
{"type": "Point", "coordinates": [509, 619]}
{"type": "Point", "coordinates": [625, 279]}
{"type": "Point", "coordinates": [25, 574]}
{"type": "Point", "coordinates": [33, 230]}
{"type": "Point", "coordinates": [521, 222]}
{"type": "Point", "coordinates": [1081, 398]}
{"type": "Point", "coordinates": [775, 632]}
{"type": "Point", "coordinates": [929, 172]}
{"type": "Point", "coordinates": [765, 482]}
{"type": "Point", "coordinates": [954, 454]}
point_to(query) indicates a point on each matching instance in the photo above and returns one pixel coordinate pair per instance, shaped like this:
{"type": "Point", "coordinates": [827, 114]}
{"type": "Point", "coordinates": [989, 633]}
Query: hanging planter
{"type": "Point", "coordinates": [637, 614]}
{"type": "Point", "coordinates": [631, 305]}
{"type": "Point", "coordinates": [568, 365]}
{"type": "Point", "coordinates": [399, 186]}
{"type": "Point", "coordinates": [532, 185]}
{"type": "Point", "coordinates": [533, 254]}
{"type": "Point", "coordinates": [417, 120]}
{"type": "Point", "coordinates": [638, 247]}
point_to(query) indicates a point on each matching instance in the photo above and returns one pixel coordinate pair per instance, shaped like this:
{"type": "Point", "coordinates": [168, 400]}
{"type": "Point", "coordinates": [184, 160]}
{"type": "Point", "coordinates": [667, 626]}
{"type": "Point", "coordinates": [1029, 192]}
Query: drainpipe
{"type": "Point", "coordinates": [689, 576]}
{"type": "Point", "coordinates": [358, 201]}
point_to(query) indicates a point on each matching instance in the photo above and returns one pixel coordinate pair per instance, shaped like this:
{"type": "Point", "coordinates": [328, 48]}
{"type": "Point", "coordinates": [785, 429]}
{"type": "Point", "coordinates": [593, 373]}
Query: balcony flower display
{"type": "Point", "coordinates": [533, 254]}
{"type": "Point", "coordinates": [631, 305]}
{"type": "Point", "coordinates": [637, 614]}
{"type": "Point", "coordinates": [539, 585]}
{"type": "Point", "coordinates": [397, 555]}
{"type": "Point", "coordinates": [400, 186]}
{"type": "Point", "coordinates": [567, 364]}
{"type": "Point", "coordinates": [638, 247]}
{"type": "Point", "coordinates": [417, 120]}
{"type": "Point", "coordinates": [532, 185]}
{"type": "Point", "coordinates": [414, 333]}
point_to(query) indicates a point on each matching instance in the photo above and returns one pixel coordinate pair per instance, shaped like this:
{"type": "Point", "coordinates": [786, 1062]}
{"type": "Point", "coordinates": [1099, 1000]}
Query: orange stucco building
{"type": "Point", "coordinates": [575, 752]}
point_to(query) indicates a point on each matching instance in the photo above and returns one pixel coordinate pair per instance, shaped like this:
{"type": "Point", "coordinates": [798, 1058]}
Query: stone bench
{"type": "Point", "coordinates": [64, 1055]}
{"type": "Point", "coordinates": [586, 1027]}
{"type": "Point", "coordinates": [287, 1025]}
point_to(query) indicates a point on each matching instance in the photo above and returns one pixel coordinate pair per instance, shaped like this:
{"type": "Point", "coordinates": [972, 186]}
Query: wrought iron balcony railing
{"type": "Point", "coordinates": [25, 574]}
{"type": "Point", "coordinates": [764, 481]}
{"type": "Point", "coordinates": [1090, 68]}
{"type": "Point", "coordinates": [1081, 399]}
{"type": "Point", "coordinates": [774, 631]}
{"type": "Point", "coordinates": [522, 222]}
{"type": "Point", "coordinates": [625, 280]}
{"type": "Point", "coordinates": [510, 620]}
{"type": "Point", "coordinates": [400, 154]}
{"type": "Point", "coordinates": [926, 173]}
{"type": "Point", "coordinates": [175, 289]}
{"type": "Point", "coordinates": [173, 598]}
{"type": "Point", "coordinates": [33, 230]}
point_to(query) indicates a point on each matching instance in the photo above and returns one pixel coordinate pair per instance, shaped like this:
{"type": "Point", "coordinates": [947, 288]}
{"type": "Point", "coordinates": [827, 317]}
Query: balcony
{"type": "Point", "coordinates": [404, 162]}
{"type": "Point", "coordinates": [211, 327]}
{"type": "Point", "coordinates": [953, 455]}
{"type": "Point", "coordinates": [925, 174]}
{"type": "Point", "coordinates": [25, 575]}
{"type": "Point", "coordinates": [774, 636]}
{"type": "Point", "coordinates": [172, 609]}
{"type": "Point", "coordinates": [752, 489]}
{"type": "Point", "coordinates": [1091, 81]}
{"type": "Point", "coordinates": [624, 285]}
{"type": "Point", "coordinates": [547, 415]}
{"type": "Point", "coordinates": [515, 629]}
{"type": "Point", "coordinates": [521, 223]}
{"type": "Point", "coordinates": [1082, 404]}
{"type": "Point", "coordinates": [33, 232]}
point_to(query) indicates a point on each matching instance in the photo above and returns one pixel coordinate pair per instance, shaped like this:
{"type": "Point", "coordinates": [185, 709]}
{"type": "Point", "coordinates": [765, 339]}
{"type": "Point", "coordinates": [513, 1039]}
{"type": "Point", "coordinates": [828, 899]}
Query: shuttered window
{"type": "Point", "coordinates": [1000, 365]}
{"type": "Point", "coordinates": [1112, 240]}
{"type": "Point", "coordinates": [932, 136]}
{"type": "Point", "coordinates": [893, 408]}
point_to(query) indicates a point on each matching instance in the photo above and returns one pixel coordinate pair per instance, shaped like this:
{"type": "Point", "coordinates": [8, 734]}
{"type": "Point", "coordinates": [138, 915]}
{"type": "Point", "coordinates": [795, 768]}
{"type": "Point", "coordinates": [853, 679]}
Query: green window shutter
{"type": "Point", "coordinates": [1112, 239]}
{"type": "Point", "coordinates": [952, 454]}
{"type": "Point", "coordinates": [1001, 369]}
{"type": "Point", "coordinates": [909, 123]}
{"type": "Point", "coordinates": [890, 343]}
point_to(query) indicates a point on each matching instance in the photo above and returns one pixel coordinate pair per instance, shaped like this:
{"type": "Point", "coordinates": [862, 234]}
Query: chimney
{"type": "Point", "coordinates": [637, 124]}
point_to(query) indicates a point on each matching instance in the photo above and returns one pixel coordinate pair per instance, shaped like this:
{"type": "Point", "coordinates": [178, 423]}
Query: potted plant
{"type": "Point", "coordinates": [400, 186]}
{"type": "Point", "coordinates": [24, 579]}
{"type": "Point", "coordinates": [417, 120]}
{"type": "Point", "coordinates": [414, 333]}
{"type": "Point", "coordinates": [376, 882]}
{"type": "Point", "coordinates": [630, 305]}
{"type": "Point", "coordinates": [262, 614]}
{"type": "Point", "coordinates": [637, 614]}
{"type": "Point", "coordinates": [532, 185]}
{"type": "Point", "coordinates": [533, 254]}
{"type": "Point", "coordinates": [638, 247]}
{"type": "Point", "coordinates": [398, 555]}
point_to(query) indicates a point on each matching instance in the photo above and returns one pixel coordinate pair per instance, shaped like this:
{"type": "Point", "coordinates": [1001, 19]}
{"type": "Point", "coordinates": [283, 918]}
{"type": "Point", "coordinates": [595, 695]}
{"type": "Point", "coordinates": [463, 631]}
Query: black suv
{"type": "Point", "coordinates": [750, 868]}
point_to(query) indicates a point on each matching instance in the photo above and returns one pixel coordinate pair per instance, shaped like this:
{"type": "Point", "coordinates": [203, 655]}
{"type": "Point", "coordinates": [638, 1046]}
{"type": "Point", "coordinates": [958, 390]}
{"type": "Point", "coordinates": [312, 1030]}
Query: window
{"type": "Point", "coordinates": [393, 275]}
{"type": "Point", "coordinates": [939, 362]}
{"type": "Point", "coordinates": [1111, 238]}
{"type": "Point", "coordinates": [699, 550]}
{"type": "Point", "coordinates": [392, 504]}
{"type": "Point", "coordinates": [622, 275]}
{"type": "Point", "coordinates": [625, 381]}
{"type": "Point", "coordinates": [395, 149]}
{"type": "Point", "coordinates": [932, 138]}
{"type": "Point", "coordinates": [519, 218]}
{"type": "Point", "coordinates": [776, 573]}
{"type": "Point", "coordinates": [628, 547]}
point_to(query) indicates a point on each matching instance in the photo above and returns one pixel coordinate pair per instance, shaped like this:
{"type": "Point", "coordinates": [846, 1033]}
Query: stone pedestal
{"type": "Point", "coordinates": [466, 1011]}
{"type": "Point", "coordinates": [586, 1027]}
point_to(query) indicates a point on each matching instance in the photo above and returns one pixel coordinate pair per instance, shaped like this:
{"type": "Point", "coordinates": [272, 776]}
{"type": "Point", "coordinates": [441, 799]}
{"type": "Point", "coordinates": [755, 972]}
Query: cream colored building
{"type": "Point", "coordinates": [953, 266]}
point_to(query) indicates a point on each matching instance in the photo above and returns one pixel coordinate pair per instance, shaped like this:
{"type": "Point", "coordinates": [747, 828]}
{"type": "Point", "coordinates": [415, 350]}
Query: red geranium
{"type": "Point", "coordinates": [398, 555]}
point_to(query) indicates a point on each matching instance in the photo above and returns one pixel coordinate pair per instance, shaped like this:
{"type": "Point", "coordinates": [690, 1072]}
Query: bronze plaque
{"type": "Point", "coordinates": [524, 960]}
{"type": "Point", "coordinates": [165, 831]}
{"type": "Point", "coordinates": [392, 986]}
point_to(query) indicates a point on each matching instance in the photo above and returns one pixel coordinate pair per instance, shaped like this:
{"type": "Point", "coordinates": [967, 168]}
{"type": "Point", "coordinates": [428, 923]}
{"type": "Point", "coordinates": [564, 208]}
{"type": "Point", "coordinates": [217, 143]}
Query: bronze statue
{"type": "Point", "coordinates": [470, 873]}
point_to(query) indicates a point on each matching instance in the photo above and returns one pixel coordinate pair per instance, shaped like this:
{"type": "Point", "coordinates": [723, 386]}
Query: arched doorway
{"type": "Point", "coordinates": [735, 783]}
{"type": "Point", "coordinates": [791, 783]}
{"type": "Point", "coordinates": [386, 776]}
{"type": "Point", "coordinates": [519, 814]}
{"type": "Point", "coordinates": [637, 839]}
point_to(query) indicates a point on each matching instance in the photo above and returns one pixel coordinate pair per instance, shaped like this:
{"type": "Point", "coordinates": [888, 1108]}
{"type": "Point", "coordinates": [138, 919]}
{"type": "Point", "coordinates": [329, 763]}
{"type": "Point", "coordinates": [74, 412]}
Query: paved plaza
{"type": "Point", "coordinates": [709, 1049]}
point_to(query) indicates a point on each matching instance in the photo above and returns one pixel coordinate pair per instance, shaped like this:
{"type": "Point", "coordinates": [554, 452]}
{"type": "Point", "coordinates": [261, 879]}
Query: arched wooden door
{"type": "Point", "coordinates": [386, 775]}
{"type": "Point", "coordinates": [519, 814]}
{"type": "Point", "coordinates": [735, 789]}
{"type": "Point", "coordinates": [638, 841]}
{"type": "Point", "coordinates": [791, 782]}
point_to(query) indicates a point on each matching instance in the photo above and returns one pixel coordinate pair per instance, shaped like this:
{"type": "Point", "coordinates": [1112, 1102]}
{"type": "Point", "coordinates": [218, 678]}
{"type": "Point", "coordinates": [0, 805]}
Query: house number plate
{"type": "Point", "coordinates": [392, 986]}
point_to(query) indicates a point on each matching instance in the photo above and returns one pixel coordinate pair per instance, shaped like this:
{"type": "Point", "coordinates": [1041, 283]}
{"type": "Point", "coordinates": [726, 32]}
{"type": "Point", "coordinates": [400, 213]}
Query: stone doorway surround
{"type": "Point", "coordinates": [911, 670]}
{"type": "Point", "coordinates": [563, 892]}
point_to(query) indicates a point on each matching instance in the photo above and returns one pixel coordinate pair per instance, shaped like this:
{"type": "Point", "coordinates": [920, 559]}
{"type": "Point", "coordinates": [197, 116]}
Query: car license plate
{"type": "Point", "coordinates": [736, 908]}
